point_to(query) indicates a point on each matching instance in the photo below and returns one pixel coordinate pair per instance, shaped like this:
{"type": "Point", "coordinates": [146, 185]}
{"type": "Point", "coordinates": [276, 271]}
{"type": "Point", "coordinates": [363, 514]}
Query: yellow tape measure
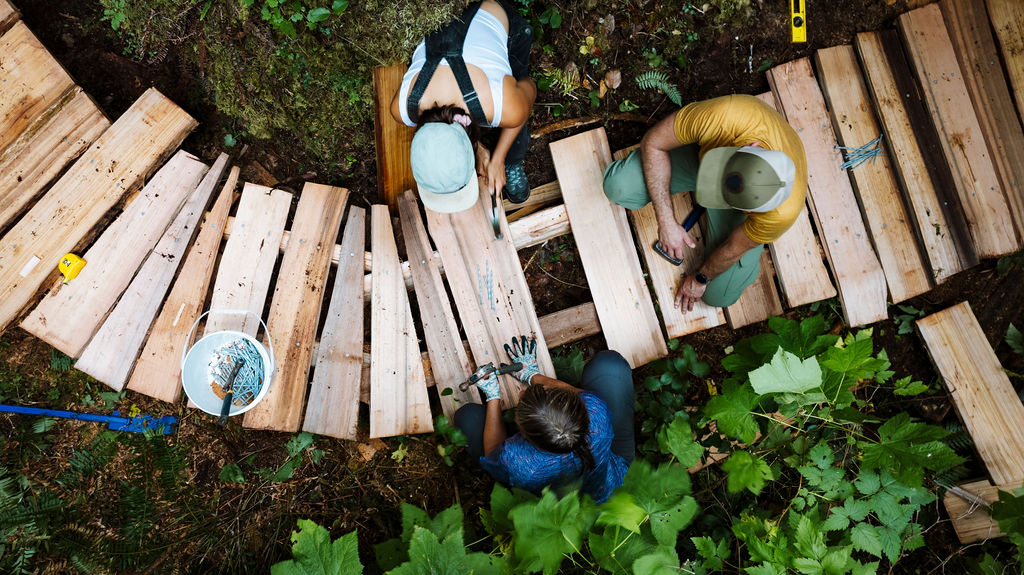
{"type": "Point", "coordinates": [798, 21]}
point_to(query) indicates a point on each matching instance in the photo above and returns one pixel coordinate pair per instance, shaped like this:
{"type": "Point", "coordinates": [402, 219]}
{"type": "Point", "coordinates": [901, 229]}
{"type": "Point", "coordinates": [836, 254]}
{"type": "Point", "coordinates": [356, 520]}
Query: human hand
{"type": "Point", "coordinates": [672, 236]}
{"type": "Point", "coordinates": [489, 385]}
{"type": "Point", "coordinates": [483, 158]}
{"type": "Point", "coordinates": [495, 175]}
{"type": "Point", "coordinates": [690, 290]}
{"type": "Point", "coordinates": [525, 352]}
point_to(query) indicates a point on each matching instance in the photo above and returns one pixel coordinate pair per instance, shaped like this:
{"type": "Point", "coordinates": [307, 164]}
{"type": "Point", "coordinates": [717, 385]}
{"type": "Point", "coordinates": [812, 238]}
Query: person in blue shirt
{"type": "Point", "coordinates": [564, 434]}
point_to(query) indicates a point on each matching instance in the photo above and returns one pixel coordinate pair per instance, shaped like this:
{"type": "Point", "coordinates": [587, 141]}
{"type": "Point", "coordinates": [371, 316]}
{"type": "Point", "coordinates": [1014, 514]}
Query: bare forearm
{"type": "Point", "coordinates": [494, 429]}
{"type": "Point", "coordinates": [505, 139]}
{"type": "Point", "coordinates": [728, 253]}
{"type": "Point", "coordinates": [551, 382]}
{"type": "Point", "coordinates": [657, 175]}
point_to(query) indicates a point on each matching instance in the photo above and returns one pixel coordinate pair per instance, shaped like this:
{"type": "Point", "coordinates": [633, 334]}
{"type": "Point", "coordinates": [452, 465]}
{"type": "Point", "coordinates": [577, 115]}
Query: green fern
{"type": "Point", "coordinates": [84, 462]}
{"type": "Point", "coordinates": [59, 361]}
{"type": "Point", "coordinates": [958, 438]}
{"type": "Point", "coordinates": [657, 80]}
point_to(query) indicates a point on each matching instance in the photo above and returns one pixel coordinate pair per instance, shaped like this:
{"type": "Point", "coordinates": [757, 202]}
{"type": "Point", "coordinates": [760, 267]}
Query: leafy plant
{"type": "Point", "coordinates": [1015, 339]}
{"type": "Point", "coordinates": [452, 439]}
{"type": "Point", "coordinates": [315, 553]}
{"type": "Point", "coordinates": [905, 321]}
{"type": "Point", "coordinates": [551, 17]}
{"type": "Point", "coordinates": [658, 80]}
{"type": "Point", "coordinates": [1009, 512]}
{"type": "Point", "coordinates": [115, 13]}
{"type": "Point", "coordinates": [663, 397]}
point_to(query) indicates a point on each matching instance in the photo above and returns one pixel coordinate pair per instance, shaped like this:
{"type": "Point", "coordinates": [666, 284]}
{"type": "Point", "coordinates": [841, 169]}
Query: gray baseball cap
{"type": "Point", "coordinates": [444, 167]}
{"type": "Point", "coordinates": [751, 179]}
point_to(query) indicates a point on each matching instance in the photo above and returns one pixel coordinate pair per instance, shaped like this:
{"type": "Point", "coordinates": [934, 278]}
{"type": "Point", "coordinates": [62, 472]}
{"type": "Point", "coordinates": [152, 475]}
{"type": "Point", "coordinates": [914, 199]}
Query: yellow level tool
{"type": "Point", "coordinates": [798, 21]}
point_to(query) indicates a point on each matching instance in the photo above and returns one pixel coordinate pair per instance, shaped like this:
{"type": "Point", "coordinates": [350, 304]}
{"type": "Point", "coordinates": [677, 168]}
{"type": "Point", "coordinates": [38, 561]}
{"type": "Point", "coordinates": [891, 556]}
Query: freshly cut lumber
{"type": "Point", "coordinates": [8, 15]}
{"type": "Point", "coordinates": [569, 325]}
{"type": "Point", "coordinates": [1007, 17]}
{"type": "Point", "coordinates": [112, 352]}
{"type": "Point", "coordinates": [797, 256]}
{"type": "Point", "coordinates": [489, 288]}
{"type": "Point", "coordinates": [878, 193]}
{"type": "Point", "coordinates": [398, 389]}
{"type": "Point", "coordinates": [33, 81]}
{"type": "Point", "coordinates": [295, 306]}
{"type": "Point", "coordinates": [759, 301]}
{"type": "Point", "coordinates": [926, 180]}
{"type": "Point", "coordinates": [854, 264]}
{"type": "Point", "coordinates": [333, 407]}
{"type": "Point", "coordinates": [980, 389]}
{"type": "Point", "coordinates": [931, 53]}
{"type": "Point", "coordinates": [71, 313]}
{"type": "Point", "coordinates": [970, 521]}
{"type": "Point", "coordinates": [448, 358]}
{"type": "Point", "coordinates": [42, 150]}
{"type": "Point", "coordinates": [114, 165]}
{"type": "Point", "coordinates": [975, 47]}
{"type": "Point", "coordinates": [540, 195]}
{"type": "Point", "coordinates": [606, 249]}
{"type": "Point", "coordinates": [393, 138]}
{"type": "Point", "coordinates": [539, 227]}
{"type": "Point", "coordinates": [157, 372]}
{"type": "Point", "coordinates": [247, 262]}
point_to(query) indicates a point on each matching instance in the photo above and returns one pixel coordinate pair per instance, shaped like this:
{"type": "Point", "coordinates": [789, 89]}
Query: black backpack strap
{"type": "Point", "coordinates": [447, 43]}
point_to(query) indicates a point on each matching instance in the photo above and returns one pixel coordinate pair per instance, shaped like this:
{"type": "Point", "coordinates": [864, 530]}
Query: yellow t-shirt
{"type": "Point", "coordinates": [740, 120]}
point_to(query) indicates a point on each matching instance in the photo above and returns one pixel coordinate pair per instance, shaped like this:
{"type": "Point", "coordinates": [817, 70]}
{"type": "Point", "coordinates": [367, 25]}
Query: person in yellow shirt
{"type": "Point", "coordinates": [746, 165]}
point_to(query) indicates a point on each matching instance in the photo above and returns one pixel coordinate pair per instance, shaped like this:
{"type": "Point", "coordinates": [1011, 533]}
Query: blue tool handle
{"type": "Point", "coordinates": [64, 414]}
{"type": "Point", "coordinates": [225, 408]}
{"type": "Point", "coordinates": [695, 214]}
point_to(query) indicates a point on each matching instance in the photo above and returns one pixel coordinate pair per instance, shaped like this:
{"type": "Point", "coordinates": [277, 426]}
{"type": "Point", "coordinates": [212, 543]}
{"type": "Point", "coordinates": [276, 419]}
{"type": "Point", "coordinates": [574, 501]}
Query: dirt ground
{"type": "Point", "coordinates": [361, 484]}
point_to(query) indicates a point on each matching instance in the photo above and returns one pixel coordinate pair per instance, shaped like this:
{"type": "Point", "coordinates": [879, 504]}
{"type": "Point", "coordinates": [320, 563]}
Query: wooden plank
{"type": "Point", "coordinates": [931, 53]}
{"type": "Point", "coordinates": [980, 389]}
{"type": "Point", "coordinates": [295, 307]}
{"type": "Point", "coordinates": [42, 150]}
{"type": "Point", "coordinates": [8, 15]}
{"type": "Point", "coordinates": [112, 352]}
{"type": "Point", "coordinates": [797, 256]}
{"type": "Point", "coordinates": [569, 325]}
{"type": "Point", "coordinates": [247, 262]}
{"type": "Point", "coordinates": [333, 407]}
{"type": "Point", "coordinates": [448, 358]}
{"type": "Point", "coordinates": [157, 372]}
{"type": "Point", "coordinates": [33, 81]}
{"type": "Point", "coordinates": [606, 249]}
{"type": "Point", "coordinates": [489, 288]}
{"type": "Point", "coordinates": [1007, 17]}
{"type": "Point", "coordinates": [970, 521]}
{"type": "Point", "coordinates": [114, 165]}
{"type": "Point", "coordinates": [986, 83]}
{"type": "Point", "coordinates": [925, 178]}
{"type": "Point", "coordinates": [393, 138]}
{"type": "Point", "coordinates": [70, 314]}
{"type": "Point", "coordinates": [854, 264]}
{"type": "Point", "coordinates": [543, 194]}
{"type": "Point", "coordinates": [759, 301]}
{"type": "Point", "coordinates": [879, 196]}
{"type": "Point", "coordinates": [398, 389]}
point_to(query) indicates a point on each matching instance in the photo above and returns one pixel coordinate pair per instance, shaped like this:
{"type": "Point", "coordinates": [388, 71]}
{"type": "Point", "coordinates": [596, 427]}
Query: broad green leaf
{"type": "Point", "coordinates": [908, 448]}
{"type": "Point", "coordinates": [231, 473]}
{"type": "Point", "coordinates": [868, 482]}
{"type": "Point", "coordinates": [391, 553]}
{"type": "Point", "coordinates": [712, 553]}
{"type": "Point", "coordinates": [856, 509]}
{"type": "Point", "coordinates": [732, 411]}
{"type": "Point", "coordinates": [904, 386]}
{"type": "Point", "coordinates": [1009, 511]}
{"type": "Point", "coordinates": [677, 439]}
{"type": "Point", "coordinates": [786, 373]}
{"type": "Point", "coordinates": [484, 564]}
{"type": "Point", "coordinates": [746, 472]}
{"type": "Point", "coordinates": [821, 456]}
{"type": "Point", "coordinates": [621, 509]}
{"type": "Point", "coordinates": [616, 549]}
{"type": "Point", "coordinates": [496, 519]}
{"type": "Point", "coordinates": [412, 517]}
{"type": "Point", "coordinates": [864, 569]}
{"type": "Point", "coordinates": [1015, 339]}
{"type": "Point", "coordinates": [808, 566]}
{"type": "Point", "coordinates": [298, 443]}
{"type": "Point", "coordinates": [865, 538]}
{"type": "Point", "coordinates": [808, 539]}
{"type": "Point", "coordinates": [765, 569]}
{"type": "Point", "coordinates": [428, 554]}
{"type": "Point", "coordinates": [664, 561]}
{"type": "Point", "coordinates": [285, 472]}
{"type": "Point", "coordinates": [838, 520]}
{"type": "Point", "coordinates": [891, 542]}
{"type": "Point", "coordinates": [838, 560]}
{"type": "Point", "coordinates": [315, 554]}
{"type": "Point", "coordinates": [664, 493]}
{"type": "Point", "coordinates": [318, 15]}
{"type": "Point", "coordinates": [548, 530]}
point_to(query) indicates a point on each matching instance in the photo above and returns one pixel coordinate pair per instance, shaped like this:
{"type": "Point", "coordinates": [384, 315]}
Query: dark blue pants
{"type": "Point", "coordinates": [520, 39]}
{"type": "Point", "coordinates": [607, 375]}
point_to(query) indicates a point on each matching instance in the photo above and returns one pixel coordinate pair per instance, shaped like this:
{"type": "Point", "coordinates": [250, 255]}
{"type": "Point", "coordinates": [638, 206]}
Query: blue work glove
{"type": "Point", "coordinates": [489, 385]}
{"type": "Point", "coordinates": [525, 352]}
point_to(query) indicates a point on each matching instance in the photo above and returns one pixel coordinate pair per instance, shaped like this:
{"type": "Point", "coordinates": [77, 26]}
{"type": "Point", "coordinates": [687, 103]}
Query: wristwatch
{"type": "Point", "coordinates": [701, 278]}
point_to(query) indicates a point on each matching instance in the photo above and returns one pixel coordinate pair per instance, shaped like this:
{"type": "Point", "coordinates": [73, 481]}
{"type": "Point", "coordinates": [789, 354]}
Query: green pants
{"type": "Point", "coordinates": [624, 184]}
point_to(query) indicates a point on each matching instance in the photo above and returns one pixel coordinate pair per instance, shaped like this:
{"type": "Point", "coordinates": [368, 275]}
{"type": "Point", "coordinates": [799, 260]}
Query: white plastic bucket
{"type": "Point", "coordinates": [195, 365]}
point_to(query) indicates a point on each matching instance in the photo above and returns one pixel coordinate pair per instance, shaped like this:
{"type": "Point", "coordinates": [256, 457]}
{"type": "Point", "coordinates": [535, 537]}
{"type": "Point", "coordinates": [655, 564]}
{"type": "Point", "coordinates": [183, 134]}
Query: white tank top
{"type": "Point", "coordinates": [486, 47]}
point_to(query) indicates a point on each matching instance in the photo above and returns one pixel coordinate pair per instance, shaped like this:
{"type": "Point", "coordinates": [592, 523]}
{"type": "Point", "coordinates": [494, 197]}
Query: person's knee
{"type": "Point", "coordinates": [624, 183]}
{"type": "Point", "coordinates": [721, 299]}
{"type": "Point", "coordinates": [469, 415]}
{"type": "Point", "coordinates": [610, 371]}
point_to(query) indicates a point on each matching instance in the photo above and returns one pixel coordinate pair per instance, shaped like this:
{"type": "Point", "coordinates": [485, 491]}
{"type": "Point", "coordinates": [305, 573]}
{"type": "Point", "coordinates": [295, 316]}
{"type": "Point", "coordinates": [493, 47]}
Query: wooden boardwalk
{"type": "Point", "coordinates": [943, 194]}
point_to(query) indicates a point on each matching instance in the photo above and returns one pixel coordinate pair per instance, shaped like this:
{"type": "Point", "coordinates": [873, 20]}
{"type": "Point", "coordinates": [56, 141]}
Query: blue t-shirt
{"type": "Point", "coordinates": [519, 463]}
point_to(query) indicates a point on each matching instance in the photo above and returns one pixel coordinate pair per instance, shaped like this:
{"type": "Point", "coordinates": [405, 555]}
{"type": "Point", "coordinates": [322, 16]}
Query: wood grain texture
{"type": "Point", "coordinates": [398, 388]}
{"type": "Point", "coordinates": [1007, 17]}
{"type": "Point", "coordinates": [539, 195]}
{"type": "Point", "coordinates": [489, 288]}
{"type": "Point", "coordinates": [606, 249]}
{"type": "Point", "coordinates": [972, 522]}
{"type": "Point", "coordinates": [295, 306]}
{"type": "Point", "coordinates": [393, 138]}
{"type": "Point", "coordinates": [247, 262]}
{"type": "Point", "coordinates": [32, 81]}
{"type": "Point", "coordinates": [115, 165]}
{"type": "Point", "coordinates": [878, 193]}
{"type": "Point", "coordinates": [932, 55]}
{"type": "Point", "coordinates": [570, 324]}
{"type": "Point", "coordinates": [797, 256]}
{"type": "Point", "coordinates": [70, 314]}
{"type": "Point", "coordinates": [111, 353]}
{"type": "Point", "coordinates": [157, 371]}
{"type": "Point", "coordinates": [969, 31]}
{"type": "Point", "coordinates": [449, 361]}
{"type": "Point", "coordinates": [924, 176]}
{"type": "Point", "coordinates": [980, 389]}
{"type": "Point", "coordinates": [333, 407]}
{"type": "Point", "coordinates": [41, 151]}
{"type": "Point", "coordinates": [8, 16]}
{"type": "Point", "coordinates": [759, 301]}
{"type": "Point", "coordinates": [854, 265]}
